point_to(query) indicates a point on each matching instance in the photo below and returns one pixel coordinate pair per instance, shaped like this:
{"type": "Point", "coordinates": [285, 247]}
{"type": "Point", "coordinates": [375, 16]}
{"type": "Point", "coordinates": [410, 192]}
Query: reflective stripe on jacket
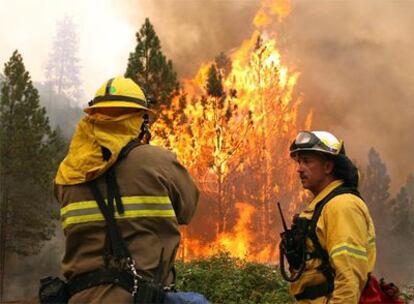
{"type": "Point", "coordinates": [135, 206]}
{"type": "Point", "coordinates": [158, 194]}
{"type": "Point", "coordinates": [346, 231]}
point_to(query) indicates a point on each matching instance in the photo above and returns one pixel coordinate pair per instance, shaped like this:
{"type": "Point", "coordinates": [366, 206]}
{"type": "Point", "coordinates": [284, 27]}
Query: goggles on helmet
{"type": "Point", "coordinates": [309, 141]}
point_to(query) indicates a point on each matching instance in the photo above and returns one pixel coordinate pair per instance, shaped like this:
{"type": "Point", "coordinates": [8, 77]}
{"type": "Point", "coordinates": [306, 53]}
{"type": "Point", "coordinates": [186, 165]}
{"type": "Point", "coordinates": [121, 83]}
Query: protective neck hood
{"type": "Point", "coordinates": [97, 132]}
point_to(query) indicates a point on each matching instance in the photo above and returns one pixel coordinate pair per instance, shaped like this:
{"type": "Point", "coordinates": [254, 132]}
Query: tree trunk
{"type": "Point", "coordinates": [220, 201]}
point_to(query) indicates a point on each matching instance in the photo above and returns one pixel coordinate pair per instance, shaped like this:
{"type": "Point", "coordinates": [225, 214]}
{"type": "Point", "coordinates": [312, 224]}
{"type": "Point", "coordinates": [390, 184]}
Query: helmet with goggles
{"type": "Point", "coordinates": [320, 141]}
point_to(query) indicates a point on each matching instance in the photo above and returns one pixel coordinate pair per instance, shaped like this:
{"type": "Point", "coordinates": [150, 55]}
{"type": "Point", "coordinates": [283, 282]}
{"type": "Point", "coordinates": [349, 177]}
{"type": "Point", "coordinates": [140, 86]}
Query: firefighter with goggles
{"type": "Point", "coordinates": [330, 247]}
{"type": "Point", "coordinates": [122, 201]}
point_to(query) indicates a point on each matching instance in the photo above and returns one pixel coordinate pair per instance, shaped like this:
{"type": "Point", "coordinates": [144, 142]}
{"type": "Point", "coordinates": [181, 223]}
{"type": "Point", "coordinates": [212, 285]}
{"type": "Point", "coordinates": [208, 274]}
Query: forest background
{"type": "Point", "coordinates": [354, 77]}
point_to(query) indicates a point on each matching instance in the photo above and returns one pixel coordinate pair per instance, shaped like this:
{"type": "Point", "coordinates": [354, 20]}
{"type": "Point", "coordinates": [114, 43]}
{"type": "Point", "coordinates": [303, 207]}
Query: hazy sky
{"type": "Point", "coordinates": [355, 57]}
{"type": "Point", "coordinates": [106, 37]}
{"type": "Point", "coordinates": [190, 30]}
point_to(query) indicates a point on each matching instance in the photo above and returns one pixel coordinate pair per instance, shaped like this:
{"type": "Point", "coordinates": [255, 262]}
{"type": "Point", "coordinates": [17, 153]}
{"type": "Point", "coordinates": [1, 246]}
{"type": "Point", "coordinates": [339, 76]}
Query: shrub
{"type": "Point", "coordinates": [227, 280]}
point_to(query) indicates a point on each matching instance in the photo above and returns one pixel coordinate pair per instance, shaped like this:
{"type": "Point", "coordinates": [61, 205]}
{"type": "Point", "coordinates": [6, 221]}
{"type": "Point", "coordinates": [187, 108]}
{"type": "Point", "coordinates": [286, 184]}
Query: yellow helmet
{"type": "Point", "coordinates": [119, 92]}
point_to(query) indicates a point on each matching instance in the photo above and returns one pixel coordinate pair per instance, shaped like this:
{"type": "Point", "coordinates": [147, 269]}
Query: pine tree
{"type": "Point", "coordinates": [62, 68]}
{"type": "Point", "coordinates": [28, 158]}
{"type": "Point", "coordinates": [214, 82]}
{"type": "Point", "coordinates": [228, 128]}
{"type": "Point", "coordinates": [223, 64]}
{"type": "Point", "coordinates": [150, 69]}
{"type": "Point", "coordinates": [403, 211]}
{"type": "Point", "coordinates": [376, 186]}
{"type": "Point", "coordinates": [375, 191]}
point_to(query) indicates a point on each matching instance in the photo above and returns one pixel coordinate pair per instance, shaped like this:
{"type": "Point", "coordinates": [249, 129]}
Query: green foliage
{"type": "Point", "coordinates": [403, 211]}
{"type": "Point", "coordinates": [214, 82]}
{"type": "Point", "coordinates": [223, 279]}
{"type": "Point", "coordinates": [30, 151]}
{"type": "Point", "coordinates": [375, 188]}
{"type": "Point", "coordinates": [407, 293]}
{"type": "Point", "coordinates": [150, 69]}
{"type": "Point", "coordinates": [377, 181]}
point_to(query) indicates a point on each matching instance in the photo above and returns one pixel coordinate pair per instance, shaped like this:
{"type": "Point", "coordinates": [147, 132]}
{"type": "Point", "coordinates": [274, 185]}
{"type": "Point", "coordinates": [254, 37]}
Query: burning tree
{"type": "Point", "coordinates": [211, 135]}
{"type": "Point", "coordinates": [274, 116]}
{"type": "Point", "coordinates": [234, 134]}
{"type": "Point", "coordinates": [228, 127]}
{"type": "Point", "coordinates": [231, 126]}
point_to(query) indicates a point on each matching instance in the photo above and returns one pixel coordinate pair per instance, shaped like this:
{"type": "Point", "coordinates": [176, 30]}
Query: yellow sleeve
{"type": "Point", "coordinates": [346, 234]}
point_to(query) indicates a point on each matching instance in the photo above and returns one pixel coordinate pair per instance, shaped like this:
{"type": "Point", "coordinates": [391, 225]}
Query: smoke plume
{"type": "Point", "coordinates": [193, 32]}
{"type": "Point", "coordinates": [355, 61]}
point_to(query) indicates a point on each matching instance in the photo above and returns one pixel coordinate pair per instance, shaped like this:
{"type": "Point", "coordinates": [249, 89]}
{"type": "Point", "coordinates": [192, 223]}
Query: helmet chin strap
{"type": "Point", "coordinates": [145, 134]}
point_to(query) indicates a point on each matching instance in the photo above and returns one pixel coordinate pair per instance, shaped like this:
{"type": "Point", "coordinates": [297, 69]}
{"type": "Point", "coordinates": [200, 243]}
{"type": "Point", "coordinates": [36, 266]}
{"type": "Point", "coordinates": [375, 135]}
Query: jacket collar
{"type": "Point", "coordinates": [328, 189]}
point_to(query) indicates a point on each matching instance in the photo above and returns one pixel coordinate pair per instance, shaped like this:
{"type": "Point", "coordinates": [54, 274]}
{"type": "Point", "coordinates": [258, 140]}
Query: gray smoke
{"type": "Point", "coordinates": [195, 31]}
{"type": "Point", "coordinates": [356, 63]}
{"type": "Point", "coordinates": [23, 274]}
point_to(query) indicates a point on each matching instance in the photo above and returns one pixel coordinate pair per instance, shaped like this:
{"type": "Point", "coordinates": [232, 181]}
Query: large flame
{"type": "Point", "coordinates": [239, 241]}
{"type": "Point", "coordinates": [231, 127]}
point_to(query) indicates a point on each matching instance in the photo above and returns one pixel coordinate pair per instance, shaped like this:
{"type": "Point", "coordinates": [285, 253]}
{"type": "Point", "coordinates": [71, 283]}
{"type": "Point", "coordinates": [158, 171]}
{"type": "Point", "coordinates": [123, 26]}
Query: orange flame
{"type": "Point", "coordinates": [269, 9]}
{"type": "Point", "coordinates": [234, 138]}
{"type": "Point", "coordinates": [239, 241]}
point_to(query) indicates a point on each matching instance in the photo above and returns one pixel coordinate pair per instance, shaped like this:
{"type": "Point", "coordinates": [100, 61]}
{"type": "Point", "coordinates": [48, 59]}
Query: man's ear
{"type": "Point", "coordinates": [329, 167]}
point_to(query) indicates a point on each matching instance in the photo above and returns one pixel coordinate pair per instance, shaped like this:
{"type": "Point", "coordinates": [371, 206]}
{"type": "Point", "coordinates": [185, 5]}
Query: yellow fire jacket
{"type": "Point", "coordinates": [158, 194]}
{"type": "Point", "coordinates": [346, 231]}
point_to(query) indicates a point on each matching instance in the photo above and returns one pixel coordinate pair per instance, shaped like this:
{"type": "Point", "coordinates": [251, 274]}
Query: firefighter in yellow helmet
{"type": "Point", "coordinates": [122, 201]}
{"type": "Point", "coordinates": [330, 247]}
